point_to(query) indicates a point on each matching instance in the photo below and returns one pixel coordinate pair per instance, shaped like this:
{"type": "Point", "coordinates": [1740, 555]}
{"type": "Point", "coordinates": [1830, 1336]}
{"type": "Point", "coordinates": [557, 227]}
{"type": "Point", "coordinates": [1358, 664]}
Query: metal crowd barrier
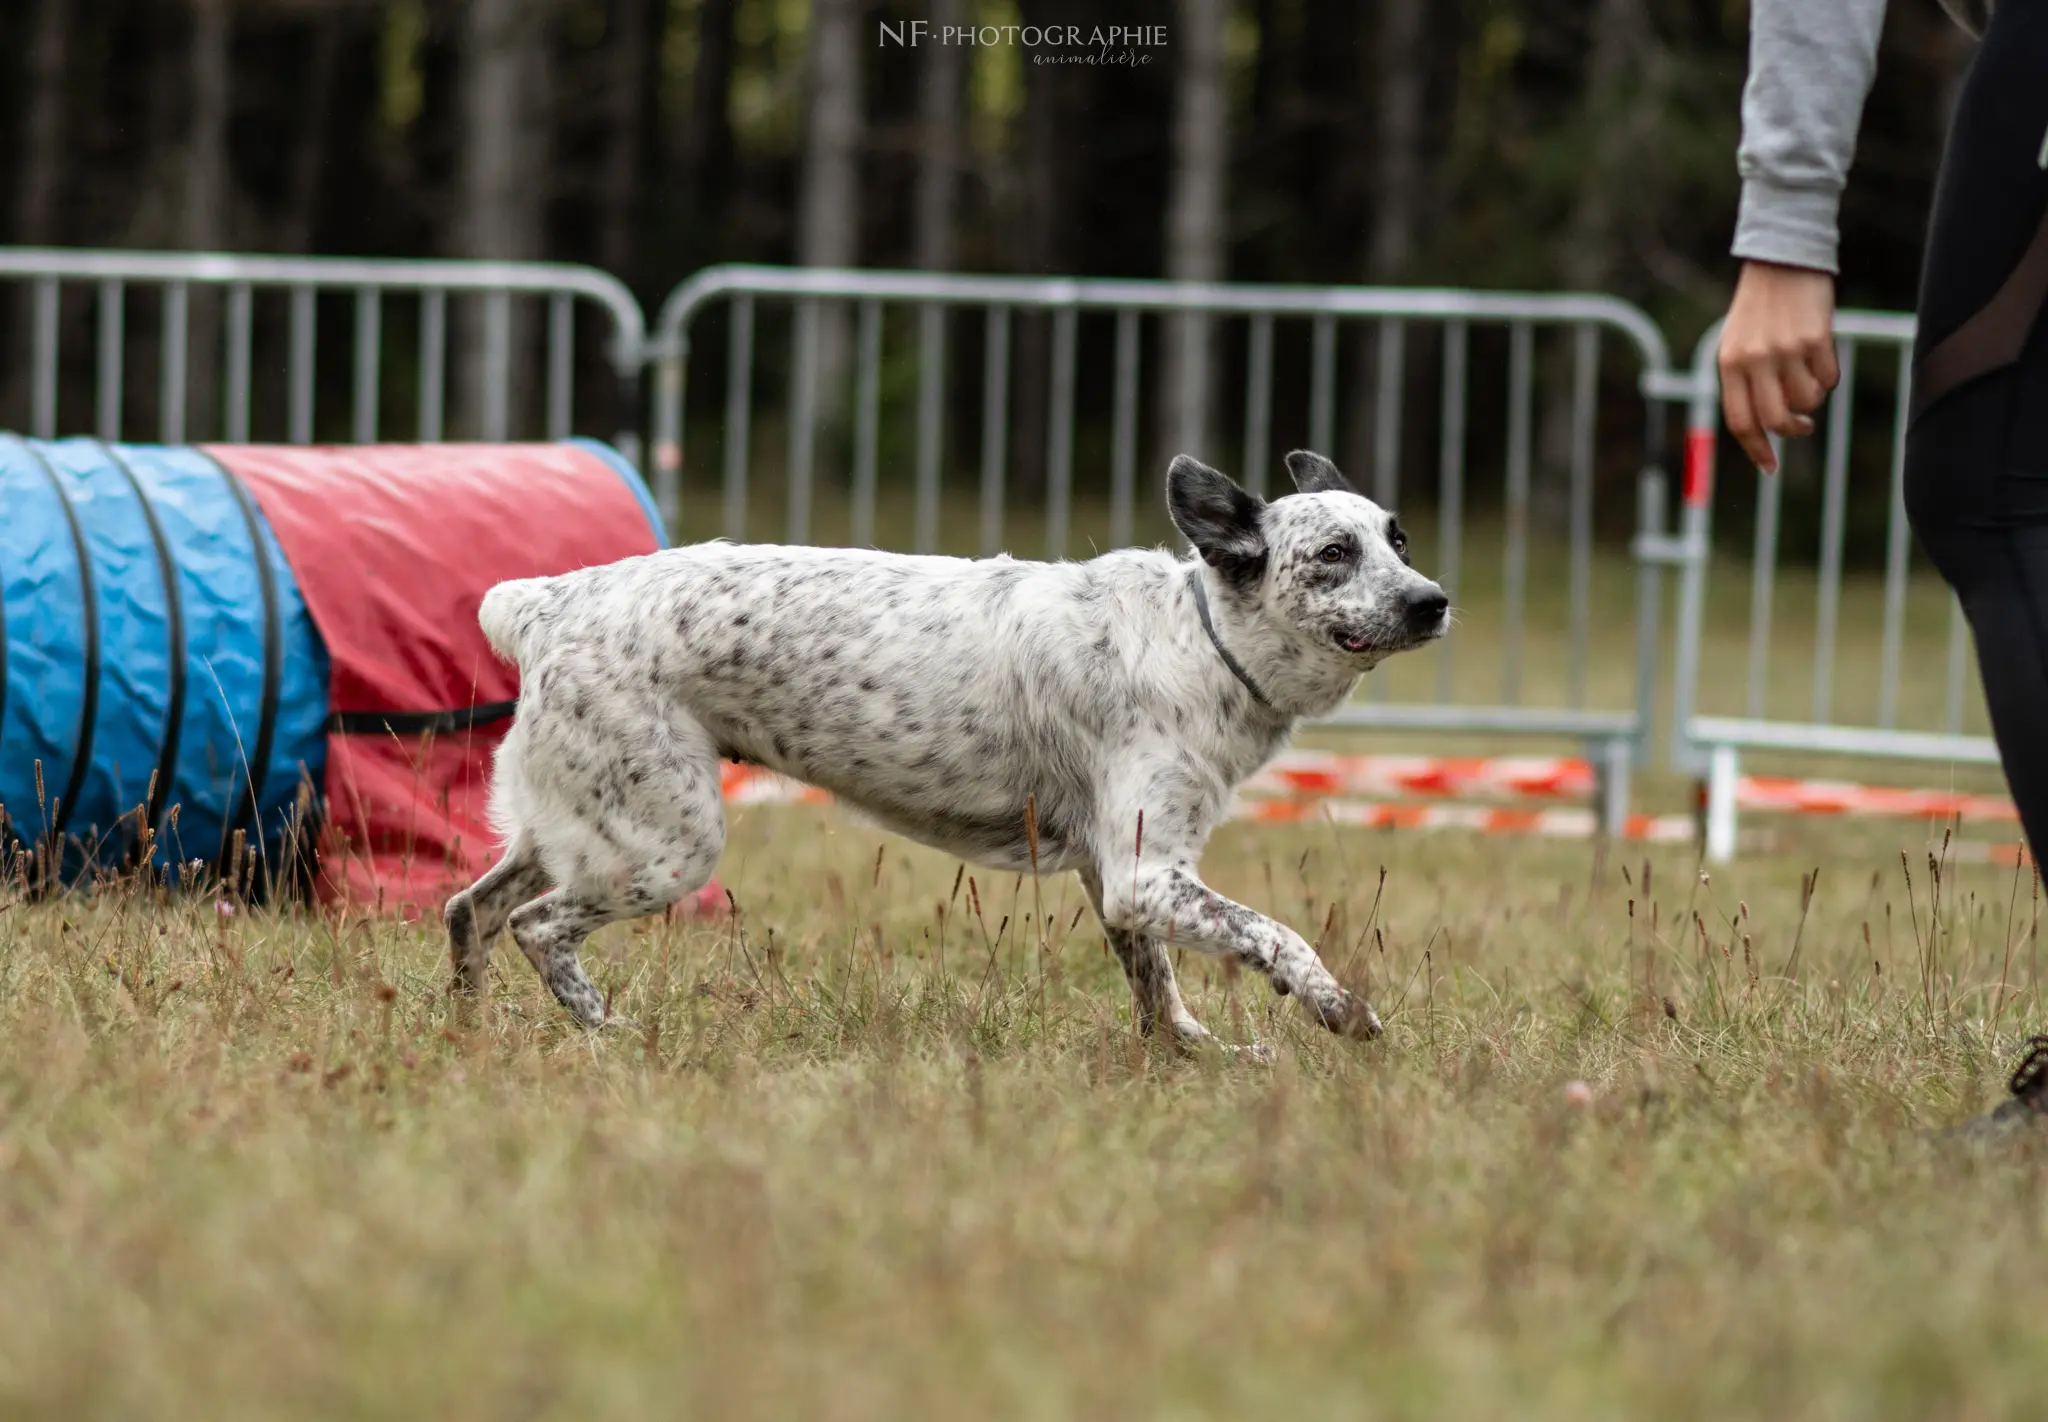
{"type": "Point", "coordinates": [1615, 734]}
{"type": "Point", "coordinates": [251, 344]}
{"type": "Point", "coordinates": [79, 312]}
{"type": "Point", "coordinates": [1782, 714]}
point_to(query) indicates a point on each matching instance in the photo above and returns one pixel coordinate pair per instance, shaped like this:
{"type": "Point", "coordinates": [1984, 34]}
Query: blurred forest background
{"type": "Point", "coordinates": [1545, 144]}
{"type": "Point", "coordinates": [1531, 143]}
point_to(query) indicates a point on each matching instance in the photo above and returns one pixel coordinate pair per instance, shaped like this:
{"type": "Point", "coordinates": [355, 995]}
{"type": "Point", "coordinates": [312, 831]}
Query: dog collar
{"type": "Point", "coordinates": [1236, 668]}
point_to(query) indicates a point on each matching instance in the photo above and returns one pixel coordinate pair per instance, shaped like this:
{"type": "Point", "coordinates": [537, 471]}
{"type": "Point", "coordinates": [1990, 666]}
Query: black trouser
{"type": "Point", "coordinates": [1977, 449]}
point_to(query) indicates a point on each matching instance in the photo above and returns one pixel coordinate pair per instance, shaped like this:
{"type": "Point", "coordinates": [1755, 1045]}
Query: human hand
{"type": "Point", "coordinates": [1777, 355]}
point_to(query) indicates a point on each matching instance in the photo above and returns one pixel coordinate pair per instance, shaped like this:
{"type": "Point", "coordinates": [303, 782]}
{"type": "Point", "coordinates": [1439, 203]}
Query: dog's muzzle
{"type": "Point", "coordinates": [1423, 611]}
{"type": "Point", "coordinates": [1421, 616]}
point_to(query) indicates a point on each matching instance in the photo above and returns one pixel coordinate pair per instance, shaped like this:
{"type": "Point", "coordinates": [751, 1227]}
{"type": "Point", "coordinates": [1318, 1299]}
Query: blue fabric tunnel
{"type": "Point", "coordinates": [159, 664]}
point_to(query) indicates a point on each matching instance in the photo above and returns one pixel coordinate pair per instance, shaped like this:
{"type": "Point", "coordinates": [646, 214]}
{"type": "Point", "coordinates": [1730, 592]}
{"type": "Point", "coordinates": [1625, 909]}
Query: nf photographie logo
{"type": "Point", "coordinates": [1049, 44]}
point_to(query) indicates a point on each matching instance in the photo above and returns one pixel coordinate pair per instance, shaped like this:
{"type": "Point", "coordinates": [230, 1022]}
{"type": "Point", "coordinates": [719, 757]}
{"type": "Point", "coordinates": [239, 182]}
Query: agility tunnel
{"type": "Point", "coordinates": [277, 645]}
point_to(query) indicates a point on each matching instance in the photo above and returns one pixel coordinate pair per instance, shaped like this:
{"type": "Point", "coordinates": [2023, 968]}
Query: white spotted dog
{"type": "Point", "coordinates": [942, 696]}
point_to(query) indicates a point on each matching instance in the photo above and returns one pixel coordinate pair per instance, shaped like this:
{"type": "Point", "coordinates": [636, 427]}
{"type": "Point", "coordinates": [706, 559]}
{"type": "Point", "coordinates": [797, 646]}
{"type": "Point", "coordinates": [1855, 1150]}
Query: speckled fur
{"type": "Point", "coordinates": [940, 696]}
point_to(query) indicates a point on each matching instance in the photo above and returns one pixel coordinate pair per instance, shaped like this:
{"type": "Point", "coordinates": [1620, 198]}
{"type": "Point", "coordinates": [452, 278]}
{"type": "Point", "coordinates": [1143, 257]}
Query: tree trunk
{"type": "Point", "coordinates": [939, 122]}
{"type": "Point", "coordinates": [707, 142]}
{"type": "Point", "coordinates": [626, 99]}
{"type": "Point", "coordinates": [203, 224]}
{"type": "Point", "coordinates": [148, 208]}
{"type": "Point", "coordinates": [1270, 66]}
{"type": "Point", "coordinates": [309, 154]}
{"type": "Point", "coordinates": [1033, 226]}
{"type": "Point", "coordinates": [1615, 114]}
{"type": "Point", "coordinates": [203, 221]}
{"type": "Point", "coordinates": [631, 68]}
{"type": "Point", "coordinates": [1613, 118]}
{"type": "Point", "coordinates": [501, 197]}
{"type": "Point", "coordinates": [1398, 75]}
{"type": "Point", "coordinates": [39, 179]}
{"type": "Point", "coordinates": [828, 205]}
{"type": "Point", "coordinates": [828, 215]}
{"type": "Point", "coordinates": [42, 150]}
{"type": "Point", "coordinates": [1397, 157]}
{"type": "Point", "coordinates": [1196, 238]}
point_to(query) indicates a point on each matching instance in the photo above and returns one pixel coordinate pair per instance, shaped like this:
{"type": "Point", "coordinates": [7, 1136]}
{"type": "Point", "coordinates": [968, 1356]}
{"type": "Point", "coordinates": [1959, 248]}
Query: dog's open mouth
{"type": "Point", "coordinates": [1359, 643]}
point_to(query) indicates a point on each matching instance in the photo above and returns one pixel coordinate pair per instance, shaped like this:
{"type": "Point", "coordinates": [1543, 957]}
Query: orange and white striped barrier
{"type": "Point", "coordinates": [1296, 776]}
{"type": "Point", "coordinates": [1313, 773]}
{"type": "Point", "coordinates": [1977, 851]}
{"type": "Point", "coordinates": [1304, 773]}
{"type": "Point", "coordinates": [1831, 797]}
{"type": "Point", "coordinates": [1554, 822]}
{"type": "Point", "coordinates": [753, 785]}
{"type": "Point", "coordinates": [1370, 792]}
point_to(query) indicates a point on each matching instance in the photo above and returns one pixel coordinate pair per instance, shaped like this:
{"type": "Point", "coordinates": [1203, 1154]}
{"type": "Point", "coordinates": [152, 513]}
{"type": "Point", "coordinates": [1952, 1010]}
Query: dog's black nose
{"type": "Point", "coordinates": [1426, 606]}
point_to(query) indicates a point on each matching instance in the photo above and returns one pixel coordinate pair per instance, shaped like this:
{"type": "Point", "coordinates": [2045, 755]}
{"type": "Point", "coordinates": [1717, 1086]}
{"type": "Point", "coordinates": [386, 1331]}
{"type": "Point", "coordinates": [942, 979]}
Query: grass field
{"type": "Point", "coordinates": [872, 1153]}
{"type": "Point", "coordinates": [887, 1146]}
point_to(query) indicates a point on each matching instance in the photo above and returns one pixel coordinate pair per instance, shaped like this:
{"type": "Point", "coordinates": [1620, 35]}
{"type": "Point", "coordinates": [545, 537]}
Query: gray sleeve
{"type": "Point", "coordinates": [1810, 66]}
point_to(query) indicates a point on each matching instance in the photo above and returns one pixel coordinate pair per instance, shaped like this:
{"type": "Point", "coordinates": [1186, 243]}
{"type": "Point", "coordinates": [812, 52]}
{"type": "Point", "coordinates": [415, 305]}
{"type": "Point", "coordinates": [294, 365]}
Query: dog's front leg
{"type": "Point", "coordinates": [1149, 970]}
{"type": "Point", "coordinates": [1166, 900]}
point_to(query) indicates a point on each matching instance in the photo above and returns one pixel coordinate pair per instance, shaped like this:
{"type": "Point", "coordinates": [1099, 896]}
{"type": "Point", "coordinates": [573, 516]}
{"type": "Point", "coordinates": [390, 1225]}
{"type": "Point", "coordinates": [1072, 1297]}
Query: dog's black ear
{"type": "Point", "coordinates": [1314, 474]}
{"type": "Point", "coordinates": [1218, 517]}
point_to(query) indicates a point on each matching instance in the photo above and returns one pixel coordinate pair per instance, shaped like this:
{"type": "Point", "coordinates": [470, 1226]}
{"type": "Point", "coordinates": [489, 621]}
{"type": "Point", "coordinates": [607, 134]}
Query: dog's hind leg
{"type": "Point", "coordinates": [551, 930]}
{"type": "Point", "coordinates": [1155, 993]}
{"type": "Point", "coordinates": [651, 836]}
{"type": "Point", "coordinates": [478, 914]}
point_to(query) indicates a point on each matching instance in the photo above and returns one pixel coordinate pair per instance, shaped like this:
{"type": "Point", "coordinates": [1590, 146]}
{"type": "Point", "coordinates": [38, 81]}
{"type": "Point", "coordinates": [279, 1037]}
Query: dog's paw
{"type": "Point", "coordinates": [1192, 1040]}
{"type": "Point", "coordinates": [1348, 1015]}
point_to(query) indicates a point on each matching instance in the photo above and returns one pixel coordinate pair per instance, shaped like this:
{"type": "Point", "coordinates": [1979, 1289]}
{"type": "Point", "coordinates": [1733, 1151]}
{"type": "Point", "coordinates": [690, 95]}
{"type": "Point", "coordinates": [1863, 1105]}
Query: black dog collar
{"type": "Point", "coordinates": [1236, 668]}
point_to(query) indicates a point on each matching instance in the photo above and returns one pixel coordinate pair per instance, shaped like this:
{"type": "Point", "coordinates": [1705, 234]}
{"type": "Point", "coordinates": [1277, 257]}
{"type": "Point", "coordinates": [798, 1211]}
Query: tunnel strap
{"type": "Point", "coordinates": [257, 767]}
{"type": "Point", "coordinates": [419, 723]}
{"type": "Point", "coordinates": [174, 621]}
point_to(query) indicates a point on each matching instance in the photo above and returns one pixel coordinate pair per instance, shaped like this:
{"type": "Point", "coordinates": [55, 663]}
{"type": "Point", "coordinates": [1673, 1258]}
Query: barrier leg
{"type": "Point", "coordinates": [668, 445]}
{"type": "Point", "coordinates": [1613, 760]}
{"type": "Point", "coordinates": [1723, 771]}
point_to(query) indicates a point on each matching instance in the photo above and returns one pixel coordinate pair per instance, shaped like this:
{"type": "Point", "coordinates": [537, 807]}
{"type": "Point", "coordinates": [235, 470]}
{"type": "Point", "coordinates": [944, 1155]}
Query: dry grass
{"type": "Point", "coordinates": [888, 1147]}
{"type": "Point", "coordinates": [872, 1156]}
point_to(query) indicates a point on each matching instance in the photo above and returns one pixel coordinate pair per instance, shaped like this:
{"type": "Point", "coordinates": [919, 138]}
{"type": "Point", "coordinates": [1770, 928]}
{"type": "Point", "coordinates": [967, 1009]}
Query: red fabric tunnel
{"type": "Point", "coordinates": [393, 547]}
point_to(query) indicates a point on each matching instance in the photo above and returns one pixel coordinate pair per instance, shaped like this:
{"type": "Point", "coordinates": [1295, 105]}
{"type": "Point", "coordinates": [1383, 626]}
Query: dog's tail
{"type": "Point", "coordinates": [508, 618]}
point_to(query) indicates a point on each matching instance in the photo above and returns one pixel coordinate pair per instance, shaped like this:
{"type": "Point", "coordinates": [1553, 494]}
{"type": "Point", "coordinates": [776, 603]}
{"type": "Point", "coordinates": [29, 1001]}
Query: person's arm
{"type": "Point", "coordinates": [1810, 67]}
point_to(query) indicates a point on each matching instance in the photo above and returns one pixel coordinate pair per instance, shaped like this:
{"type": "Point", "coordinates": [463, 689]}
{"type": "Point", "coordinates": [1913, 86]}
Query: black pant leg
{"type": "Point", "coordinates": [2001, 577]}
{"type": "Point", "coordinates": [1977, 457]}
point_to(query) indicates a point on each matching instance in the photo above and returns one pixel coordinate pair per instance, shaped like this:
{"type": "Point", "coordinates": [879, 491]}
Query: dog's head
{"type": "Point", "coordinates": [1326, 566]}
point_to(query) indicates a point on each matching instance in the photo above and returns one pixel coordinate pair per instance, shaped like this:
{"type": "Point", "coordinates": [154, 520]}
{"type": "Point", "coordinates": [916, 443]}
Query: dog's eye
{"type": "Point", "coordinates": [1332, 553]}
{"type": "Point", "coordinates": [1400, 542]}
